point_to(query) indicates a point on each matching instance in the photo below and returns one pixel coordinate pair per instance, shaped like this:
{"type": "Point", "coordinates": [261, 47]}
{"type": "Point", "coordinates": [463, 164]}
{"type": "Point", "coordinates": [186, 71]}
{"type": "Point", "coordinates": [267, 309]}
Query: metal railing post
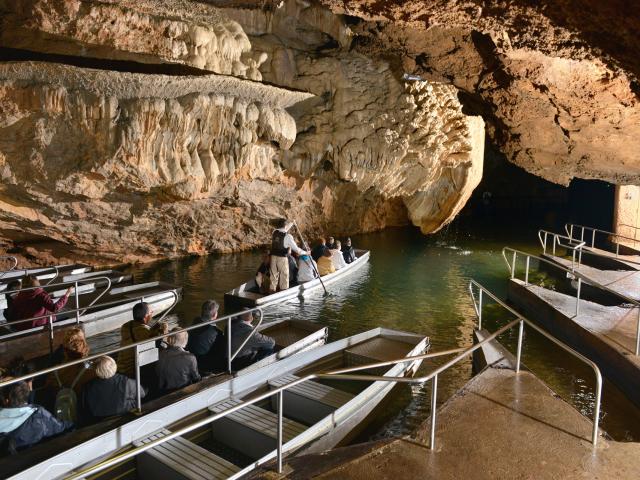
{"type": "Point", "coordinates": [280, 395]}
{"type": "Point", "coordinates": [526, 273]}
{"type": "Point", "coordinates": [593, 239]}
{"type": "Point", "coordinates": [596, 411]}
{"type": "Point", "coordinates": [555, 240]}
{"type": "Point", "coordinates": [480, 310]}
{"type": "Point", "coordinates": [638, 334]}
{"type": "Point", "coordinates": [617, 249]}
{"type": "Point", "coordinates": [519, 350]}
{"type": "Point", "coordinates": [513, 265]}
{"type": "Point", "coordinates": [138, 387]}
{"type": "Point", "coordinates": [544, 249]}
{"type": "Point", "coordinates": [434, 397]}
{"type": "Point", "coordinates": [229, 345]}
{"type": "Point", "coordinates": [578, 296]}
{"type": "Point", "coordinates": [75, 290]}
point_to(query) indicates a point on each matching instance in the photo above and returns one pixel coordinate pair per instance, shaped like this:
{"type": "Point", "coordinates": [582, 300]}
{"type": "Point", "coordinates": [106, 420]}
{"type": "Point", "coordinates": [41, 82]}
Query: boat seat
{"type": "Point", "coordinates": [252, 430]}
{"type": "Point", "coordinates": [180, 459]}
{"type": "Point", "coordinates": [309, 402]}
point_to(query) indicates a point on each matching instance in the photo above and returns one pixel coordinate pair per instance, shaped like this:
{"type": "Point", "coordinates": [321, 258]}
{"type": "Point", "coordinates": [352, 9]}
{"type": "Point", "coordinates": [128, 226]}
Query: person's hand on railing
{"type": "Point", "coordinates": [68, 292]}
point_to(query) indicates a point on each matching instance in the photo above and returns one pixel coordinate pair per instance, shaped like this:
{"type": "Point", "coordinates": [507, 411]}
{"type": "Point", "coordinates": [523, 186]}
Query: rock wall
{"type": "Point", "coordinates": [131, 166]}
{"type": "Point", "coordinates": [556, 81]}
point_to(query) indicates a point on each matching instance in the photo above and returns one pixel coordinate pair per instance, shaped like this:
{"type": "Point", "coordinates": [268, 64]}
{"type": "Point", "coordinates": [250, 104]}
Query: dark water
{"type": "Point", "coordinates": [418, 284]}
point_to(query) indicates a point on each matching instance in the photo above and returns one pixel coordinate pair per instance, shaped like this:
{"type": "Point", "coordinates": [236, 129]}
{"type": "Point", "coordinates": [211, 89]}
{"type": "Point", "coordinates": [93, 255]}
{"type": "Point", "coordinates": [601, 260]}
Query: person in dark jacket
{"type": "Point", "coordinates": [318, 250]}
{"type": "Point", "coordinates": [202, 340]}
{"type": "Point", "coordinates": [12, 286]}
{"type": "Point", "coordinates": [176, 368]}
{"type": "Point", "coordinates": [348, 252]}
{"type": "Point", "coordinates": [110, 393]}
{"type": "Point", "coordinates": [35, 303]}
{"type": "Point", "coordinates": [23, 424]}
{"type": "Point", "coordinates": [293, 270]}
{"type": "Point", "coordinates": [258, 347]}
{"type": "Point", "coordinates": [331, 243]}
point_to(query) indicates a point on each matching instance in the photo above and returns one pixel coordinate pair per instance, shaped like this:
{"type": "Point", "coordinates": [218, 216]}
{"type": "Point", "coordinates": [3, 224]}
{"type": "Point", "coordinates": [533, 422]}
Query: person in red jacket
{"type": "Point", "coordinates": [35, 303]}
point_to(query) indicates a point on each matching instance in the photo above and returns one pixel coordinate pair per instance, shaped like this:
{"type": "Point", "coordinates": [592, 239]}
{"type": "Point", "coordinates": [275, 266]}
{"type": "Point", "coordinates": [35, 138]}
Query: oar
{"type": "Point", "coordinates": [306, 247]}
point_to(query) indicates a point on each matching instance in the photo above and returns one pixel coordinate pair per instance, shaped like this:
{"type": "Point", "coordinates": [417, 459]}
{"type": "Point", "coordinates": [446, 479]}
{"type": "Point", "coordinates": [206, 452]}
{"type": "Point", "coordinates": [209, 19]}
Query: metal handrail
{"type": "Point", "coordinates": [343, 374]}
{"type": "Point", "coordinates": [93, 357]}
{"type": "Point", "coordinates": [15, 264]}
{"type": "Point", "coordinates": [568, 227]}
{"type": "Point", "coordinates": [575, 273]}
{"type": "Point", "coordinates": [573, 245]}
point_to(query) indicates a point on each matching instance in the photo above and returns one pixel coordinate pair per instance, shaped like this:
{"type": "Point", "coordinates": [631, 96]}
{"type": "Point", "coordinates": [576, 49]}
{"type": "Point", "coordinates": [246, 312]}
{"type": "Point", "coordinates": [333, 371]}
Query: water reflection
{"type": "Point", "coordinates": [413, 283]}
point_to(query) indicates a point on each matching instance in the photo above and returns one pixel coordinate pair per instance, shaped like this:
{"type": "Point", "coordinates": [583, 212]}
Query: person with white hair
{"type": "Point", "coordinates": [110, 393]}
{"type": "Point", "coordinates": [336, 256]}
{"type": "Point", "coordinates": [176, 368]}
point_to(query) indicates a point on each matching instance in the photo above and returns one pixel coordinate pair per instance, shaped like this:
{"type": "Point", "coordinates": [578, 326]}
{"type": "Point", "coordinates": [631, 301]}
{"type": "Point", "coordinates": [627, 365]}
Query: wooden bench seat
{"type": "Point", "coordinates": [310, 401]}
{"type": "Point", "coordinates": [180, 459]}
{"type": "Point", "coordinates": [251, 430]}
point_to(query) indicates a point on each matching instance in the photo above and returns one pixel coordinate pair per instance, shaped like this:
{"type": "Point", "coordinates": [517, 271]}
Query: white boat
{"type": "Point", "coordinates": [317, 416]}
{"type": "Point", "coordinates": [56, 458]}
{"type": "Point", "coordinates": [114, 309]}
{"type": "Point", "coordinates": [248, 294]}
{"type": "Point", "coordinates": [42, 273]}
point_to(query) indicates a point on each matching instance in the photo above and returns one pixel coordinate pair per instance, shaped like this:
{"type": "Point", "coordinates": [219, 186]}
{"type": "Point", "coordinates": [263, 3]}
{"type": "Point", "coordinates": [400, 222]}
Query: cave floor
{"type": "Point", "coordinates": [499, 425]}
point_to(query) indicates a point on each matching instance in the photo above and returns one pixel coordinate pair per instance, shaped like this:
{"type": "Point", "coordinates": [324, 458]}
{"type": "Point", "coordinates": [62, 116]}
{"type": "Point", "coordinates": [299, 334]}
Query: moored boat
{"type": "Point", "coordinates": [316, 415]}
{"type": "Point", "coordinates": [85, 444]}
{"type": "Point", "coordinates": [248, 294]}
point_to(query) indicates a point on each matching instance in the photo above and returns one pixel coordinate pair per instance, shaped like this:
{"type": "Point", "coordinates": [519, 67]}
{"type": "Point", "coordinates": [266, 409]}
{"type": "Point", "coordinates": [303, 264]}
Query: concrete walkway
{"type": "Point", "coordinates": [626, 282]}
{"type": "Point", "coordinates": [606, 335]}
{"type": "Point", "coordinates": [499, 426]}
{"type": "Point", "coordinates": [623, 261]}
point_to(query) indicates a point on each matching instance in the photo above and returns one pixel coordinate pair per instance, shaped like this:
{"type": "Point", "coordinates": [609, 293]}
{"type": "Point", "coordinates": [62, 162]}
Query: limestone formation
{"type": "Point", "coordinates": [148, 31]}
{"type": "Point", "coordinates": [558, 89]}
{"type": "Point", "coordinates": [136, 166]}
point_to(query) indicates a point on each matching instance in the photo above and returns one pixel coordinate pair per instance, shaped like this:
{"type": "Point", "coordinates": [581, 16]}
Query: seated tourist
{"type": "Point", "coordinates": [12, 286]}
{"type": "Point", "coordinates": [348, 252]}
{"type": "Point", "coordinates": [202, 341]}
{"type": "Point", "coordinates": [331, 244]}
{"type": "Point", "coordinates": [307, 269]}
{"type": "Point", "coordinates": [293, 269]}
{"type": "Point", "coordinates": [35, 303]}
{"type": "Point", "coordinates": [23, 424]}
{"type": "Point", "coordinates": [134, 331]}
{"type": "Point", "coordinates": [176, 368]}
{"type": "Point", "coordinates": [19, 368]}
{"type": "Point", "coordinates": [263, 275]}
{"type": "Point", "coordinates": [336, 256]}
{"type": "Point", "coordinates": [258, 347]}
{"type": "Point", "coordinates": [325, 263]}
{"type": "Point", "coordinates": [318, 250]}
{"type": "Point", "coordinates": [74, 347]}
{"type": "Point", "coordinates": [110, 393]}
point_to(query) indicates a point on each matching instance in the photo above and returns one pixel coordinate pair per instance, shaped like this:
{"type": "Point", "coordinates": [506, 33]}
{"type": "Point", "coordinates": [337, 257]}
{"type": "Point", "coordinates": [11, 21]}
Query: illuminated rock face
{"type": "Point", "coordinates": [131, 166]}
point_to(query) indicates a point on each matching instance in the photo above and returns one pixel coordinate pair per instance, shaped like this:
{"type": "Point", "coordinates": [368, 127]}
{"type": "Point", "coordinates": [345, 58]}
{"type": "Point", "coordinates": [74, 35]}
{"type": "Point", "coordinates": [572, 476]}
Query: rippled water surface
{"type": "Point", "coordinates": [418, 284]}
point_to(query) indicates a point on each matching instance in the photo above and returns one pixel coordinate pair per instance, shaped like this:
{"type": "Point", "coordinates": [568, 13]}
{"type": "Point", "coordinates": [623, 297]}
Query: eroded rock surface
{"type": "Point", "coordinates": [139, 166]}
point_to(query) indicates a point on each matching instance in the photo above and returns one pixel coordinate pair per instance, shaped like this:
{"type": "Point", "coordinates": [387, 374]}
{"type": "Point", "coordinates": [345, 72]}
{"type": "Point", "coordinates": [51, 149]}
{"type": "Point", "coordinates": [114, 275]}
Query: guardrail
{"type": "Point", "coordinates": [15, 264]}
{"type": "Point", "coordinates": [137, 345]}
{"type": "Point", "coordinates": [571, 244]}
{"type": "Point", "coordinates": [570, 227]}
{"type": "Point", "coordinates": [575, 274]}
{"type": "Point", "coordinates": [346, 375]}
{"type": "Point", "coordinates": [78, 310]}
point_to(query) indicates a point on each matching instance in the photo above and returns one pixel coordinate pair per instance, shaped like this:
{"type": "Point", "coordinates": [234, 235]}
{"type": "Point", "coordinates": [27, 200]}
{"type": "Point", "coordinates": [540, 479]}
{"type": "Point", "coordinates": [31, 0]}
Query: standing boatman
{"type": "Point", "coordinates": [281, 241]}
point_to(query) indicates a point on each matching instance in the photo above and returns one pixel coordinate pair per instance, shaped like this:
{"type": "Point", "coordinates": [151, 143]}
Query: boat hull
{"type": "Point", "coordinates": [241, 297]}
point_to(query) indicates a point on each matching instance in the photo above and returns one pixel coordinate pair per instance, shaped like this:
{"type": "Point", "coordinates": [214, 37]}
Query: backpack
{"type": "Point", "coordinates": [66, 406]}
